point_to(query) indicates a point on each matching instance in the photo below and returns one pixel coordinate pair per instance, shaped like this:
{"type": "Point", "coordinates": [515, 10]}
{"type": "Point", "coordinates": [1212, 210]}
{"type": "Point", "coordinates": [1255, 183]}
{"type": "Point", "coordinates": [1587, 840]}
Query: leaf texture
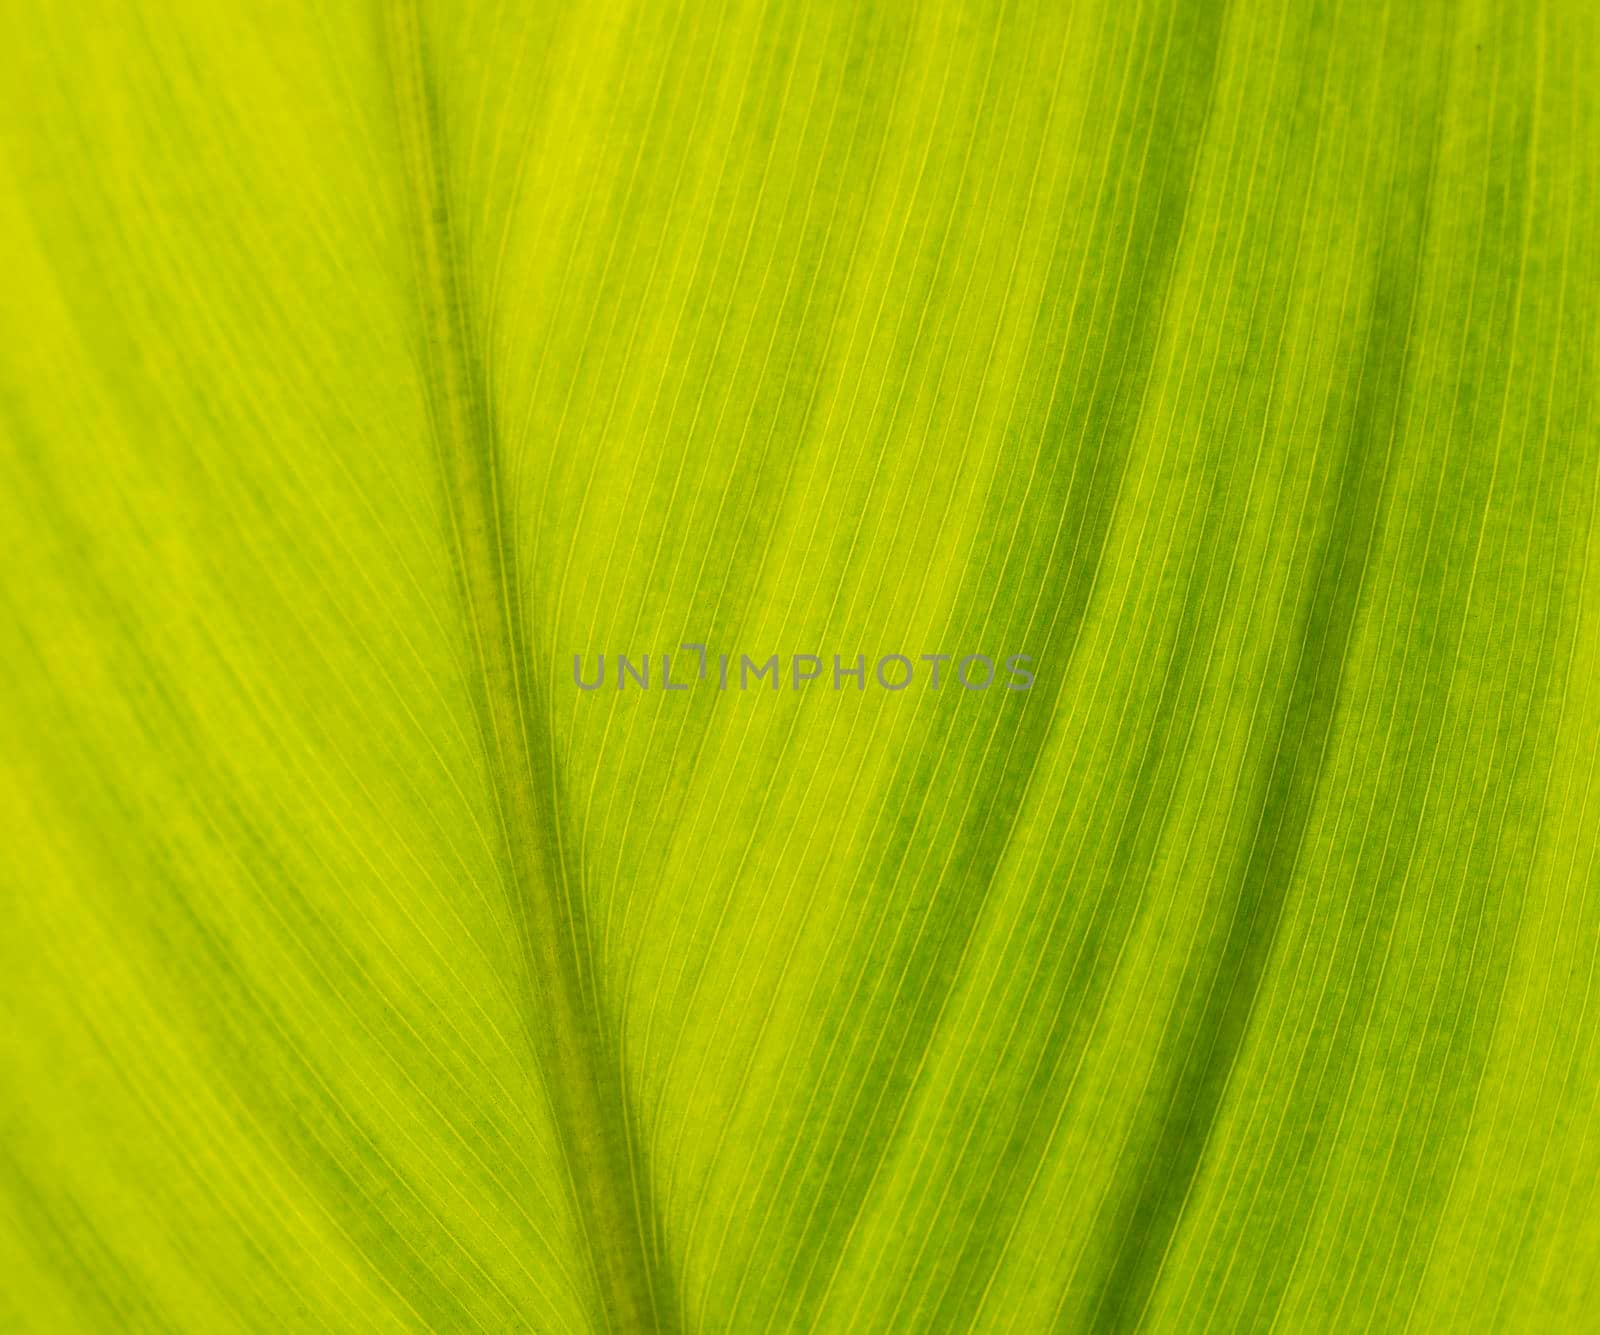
{"type": "Point", "coordinates": [370, 373]}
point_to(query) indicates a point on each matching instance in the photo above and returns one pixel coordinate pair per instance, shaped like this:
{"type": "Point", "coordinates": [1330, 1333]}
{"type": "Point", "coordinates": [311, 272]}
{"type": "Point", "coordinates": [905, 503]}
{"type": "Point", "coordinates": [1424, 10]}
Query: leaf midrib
{"type": "Point", "coordinates": [558, 988]}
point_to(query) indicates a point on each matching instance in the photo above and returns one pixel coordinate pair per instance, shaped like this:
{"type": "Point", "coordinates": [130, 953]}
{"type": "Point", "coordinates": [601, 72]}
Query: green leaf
{"type": "Point", "coordinates": [1224, 375]}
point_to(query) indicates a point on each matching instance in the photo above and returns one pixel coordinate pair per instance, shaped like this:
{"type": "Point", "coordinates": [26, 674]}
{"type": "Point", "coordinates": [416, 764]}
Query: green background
{"type": "Point", "coordinates": [360, 364]}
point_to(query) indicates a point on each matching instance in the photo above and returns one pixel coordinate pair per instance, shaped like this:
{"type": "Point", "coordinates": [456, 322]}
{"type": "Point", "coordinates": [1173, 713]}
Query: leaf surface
{"type": "Point", "coordinates": [362, 367]}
